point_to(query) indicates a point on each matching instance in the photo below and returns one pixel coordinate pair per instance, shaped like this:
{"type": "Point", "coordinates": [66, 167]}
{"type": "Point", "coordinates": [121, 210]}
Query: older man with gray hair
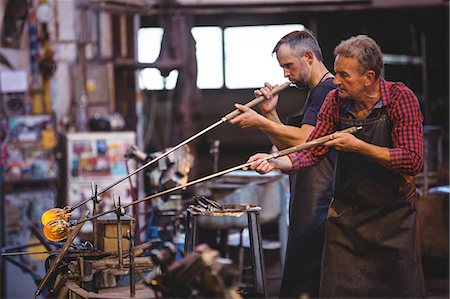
{"type": "Point", "coordinates": [372, 244]}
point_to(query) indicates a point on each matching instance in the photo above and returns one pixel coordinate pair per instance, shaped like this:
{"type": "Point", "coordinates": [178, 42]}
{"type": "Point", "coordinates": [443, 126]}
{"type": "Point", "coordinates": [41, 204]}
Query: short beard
{"type": "Point", "coordinates": [301, 85]}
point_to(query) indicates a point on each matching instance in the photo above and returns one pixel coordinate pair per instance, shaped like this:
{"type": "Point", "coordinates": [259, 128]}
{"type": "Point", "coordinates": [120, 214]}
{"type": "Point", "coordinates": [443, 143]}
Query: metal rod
{"type": "Point", "coordinates": [10, 248]}
{"type": "Point", "coordinates": [136, 207]}
{"type": "Point", "coordinates": [224, 119]}
{"type": "Point", "coordinates": [25, 253]}
{"type": "Point", "coordinates": [306, 145]}
{"type": "Point", "coordinates": [131, 259]}
{"type": "Point", "coordinates": [80, 262]}
{"type": "Point", "coordinates": [94, 211]}
{"type": "Point", "coordinates": [119, 234]}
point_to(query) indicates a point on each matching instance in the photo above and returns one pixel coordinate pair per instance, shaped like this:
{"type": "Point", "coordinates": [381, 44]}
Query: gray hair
{"type": "Point", "coordinates": [301, 41]}
{"type": "Point", "coordinates": [366, 51]}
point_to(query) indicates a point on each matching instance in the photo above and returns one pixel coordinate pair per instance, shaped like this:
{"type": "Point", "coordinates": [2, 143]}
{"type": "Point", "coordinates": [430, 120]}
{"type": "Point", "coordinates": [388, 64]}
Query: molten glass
{"type": "Point", "coordinates": [54, 214]}
{"type": "Point", "coordinates": [56, 230]}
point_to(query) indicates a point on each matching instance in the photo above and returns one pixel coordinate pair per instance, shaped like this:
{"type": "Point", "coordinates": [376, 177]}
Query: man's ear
{"type": "Point", "coordinates": [370, 77]}
{"type": "Point", "coordinates": [309, 56]}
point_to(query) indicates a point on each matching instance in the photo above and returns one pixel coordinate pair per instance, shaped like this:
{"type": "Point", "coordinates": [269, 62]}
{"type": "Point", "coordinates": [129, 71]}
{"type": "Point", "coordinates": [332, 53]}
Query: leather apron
{"type": "Point", "coordinates": [372, 237]}
{"type": "Point", "coordinates": [311, 193]}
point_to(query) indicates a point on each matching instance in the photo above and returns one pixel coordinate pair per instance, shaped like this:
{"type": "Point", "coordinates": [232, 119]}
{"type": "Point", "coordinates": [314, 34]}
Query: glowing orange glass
{"type": "Point", "coordinates": [54, 214]}
{"type": "Point", "coordinates": [56, 230]}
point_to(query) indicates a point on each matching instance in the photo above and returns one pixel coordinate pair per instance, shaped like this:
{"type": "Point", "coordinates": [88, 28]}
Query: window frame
{"type": "Point", "coordinates": [223, 27]}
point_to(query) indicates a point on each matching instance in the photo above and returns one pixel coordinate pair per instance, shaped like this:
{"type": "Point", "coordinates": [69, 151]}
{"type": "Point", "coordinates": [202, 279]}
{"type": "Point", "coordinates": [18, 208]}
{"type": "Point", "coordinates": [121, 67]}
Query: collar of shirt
{"type": "Point", "coordinates": [348, 108]}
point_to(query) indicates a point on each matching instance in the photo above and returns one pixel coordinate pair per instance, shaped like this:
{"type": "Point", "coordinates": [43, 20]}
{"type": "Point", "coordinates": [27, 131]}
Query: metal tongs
{"type": "Point", "coordinates": [203, 204]}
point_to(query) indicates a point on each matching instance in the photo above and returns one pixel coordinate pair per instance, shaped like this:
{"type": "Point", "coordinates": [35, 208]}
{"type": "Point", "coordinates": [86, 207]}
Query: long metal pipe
{"type": "Point", "coordinates": [306, 145]}
{"type": "Point", "coordinates": [224, 119]}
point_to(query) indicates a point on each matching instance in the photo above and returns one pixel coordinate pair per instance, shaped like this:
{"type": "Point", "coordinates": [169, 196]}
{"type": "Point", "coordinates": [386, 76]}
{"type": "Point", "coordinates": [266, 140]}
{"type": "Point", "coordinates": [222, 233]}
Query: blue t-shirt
{"type": "Point", "coordinates": [315, 100]}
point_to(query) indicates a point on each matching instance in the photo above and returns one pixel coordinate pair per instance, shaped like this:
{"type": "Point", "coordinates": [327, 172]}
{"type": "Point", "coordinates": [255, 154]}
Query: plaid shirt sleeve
{"type": "Point", "coordinates": [407, 132]}
{"type": "Point", "coordinates": [406, 155]}
{"type": "Point", "coordinates": [326, 117]}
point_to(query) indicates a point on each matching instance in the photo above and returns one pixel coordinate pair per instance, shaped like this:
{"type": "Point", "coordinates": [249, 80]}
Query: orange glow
{"type": "Point", "coordinates": [56, 230]}
{"type": "Point", "coordinates": [54, 214]}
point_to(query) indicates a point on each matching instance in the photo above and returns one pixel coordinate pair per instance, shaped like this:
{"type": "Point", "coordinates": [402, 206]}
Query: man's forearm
{"type": "Point", "coordinates": [397, 159]}
{"type": "Point", "coordinates": [376, 153]}
{"type": "Point", "coordinates": [273, 116]}
{"type": "Point", "coordinates": [283, 136]}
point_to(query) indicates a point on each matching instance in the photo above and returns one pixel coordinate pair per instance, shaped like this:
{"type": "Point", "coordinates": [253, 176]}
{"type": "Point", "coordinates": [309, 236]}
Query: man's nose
{"type": "Point", "coordinates": [336, 80]}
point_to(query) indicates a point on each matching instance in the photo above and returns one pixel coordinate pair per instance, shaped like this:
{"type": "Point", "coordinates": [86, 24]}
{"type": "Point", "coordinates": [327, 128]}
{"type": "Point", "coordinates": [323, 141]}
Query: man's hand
{"type": "Point", "coordinates": [265, 166]}
{"type": "Point", "coordinates": [344, 142]}
{"type": "Point", "coordinates": [271, 101]}
{"type": "Point", "coordinates": [248, 118]}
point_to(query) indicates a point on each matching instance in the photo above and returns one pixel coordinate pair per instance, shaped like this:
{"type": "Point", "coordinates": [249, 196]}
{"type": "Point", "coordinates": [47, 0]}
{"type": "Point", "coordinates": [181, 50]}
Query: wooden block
{"type": "Point", "coordinates": [111, 229]}
{"type": "Point", "coordinates": [111, 245]}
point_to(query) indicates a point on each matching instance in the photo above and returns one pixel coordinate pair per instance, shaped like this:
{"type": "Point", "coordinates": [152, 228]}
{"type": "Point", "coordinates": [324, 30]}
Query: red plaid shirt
{"type": "Point", "coordinates": [402, 109]}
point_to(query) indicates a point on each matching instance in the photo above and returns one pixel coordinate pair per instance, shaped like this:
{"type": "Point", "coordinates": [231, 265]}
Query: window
{"type": "Point", "coordinates": [209, 56]}
{"type": "Point", "coordinates": [149, 45]}
{"type": "Point", "coordinates": [248, 55]}
{"type": "Point", "coordinates": [239, 57]}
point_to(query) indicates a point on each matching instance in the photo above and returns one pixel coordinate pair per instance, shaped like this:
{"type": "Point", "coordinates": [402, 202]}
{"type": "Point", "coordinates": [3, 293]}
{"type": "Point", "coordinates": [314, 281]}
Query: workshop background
{"type": "Point", "coordinates": [90, 90]}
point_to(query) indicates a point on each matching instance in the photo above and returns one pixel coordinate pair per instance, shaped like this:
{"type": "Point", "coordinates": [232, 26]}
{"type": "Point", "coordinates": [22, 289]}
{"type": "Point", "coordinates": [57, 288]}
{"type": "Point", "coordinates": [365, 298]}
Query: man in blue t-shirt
{"type": "Point", "coordinates": [300, 56]}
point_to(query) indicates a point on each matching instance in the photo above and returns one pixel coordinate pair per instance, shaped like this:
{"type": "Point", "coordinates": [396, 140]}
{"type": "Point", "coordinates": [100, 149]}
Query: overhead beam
{"type": "Point", "coordinates": [211, 7]}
